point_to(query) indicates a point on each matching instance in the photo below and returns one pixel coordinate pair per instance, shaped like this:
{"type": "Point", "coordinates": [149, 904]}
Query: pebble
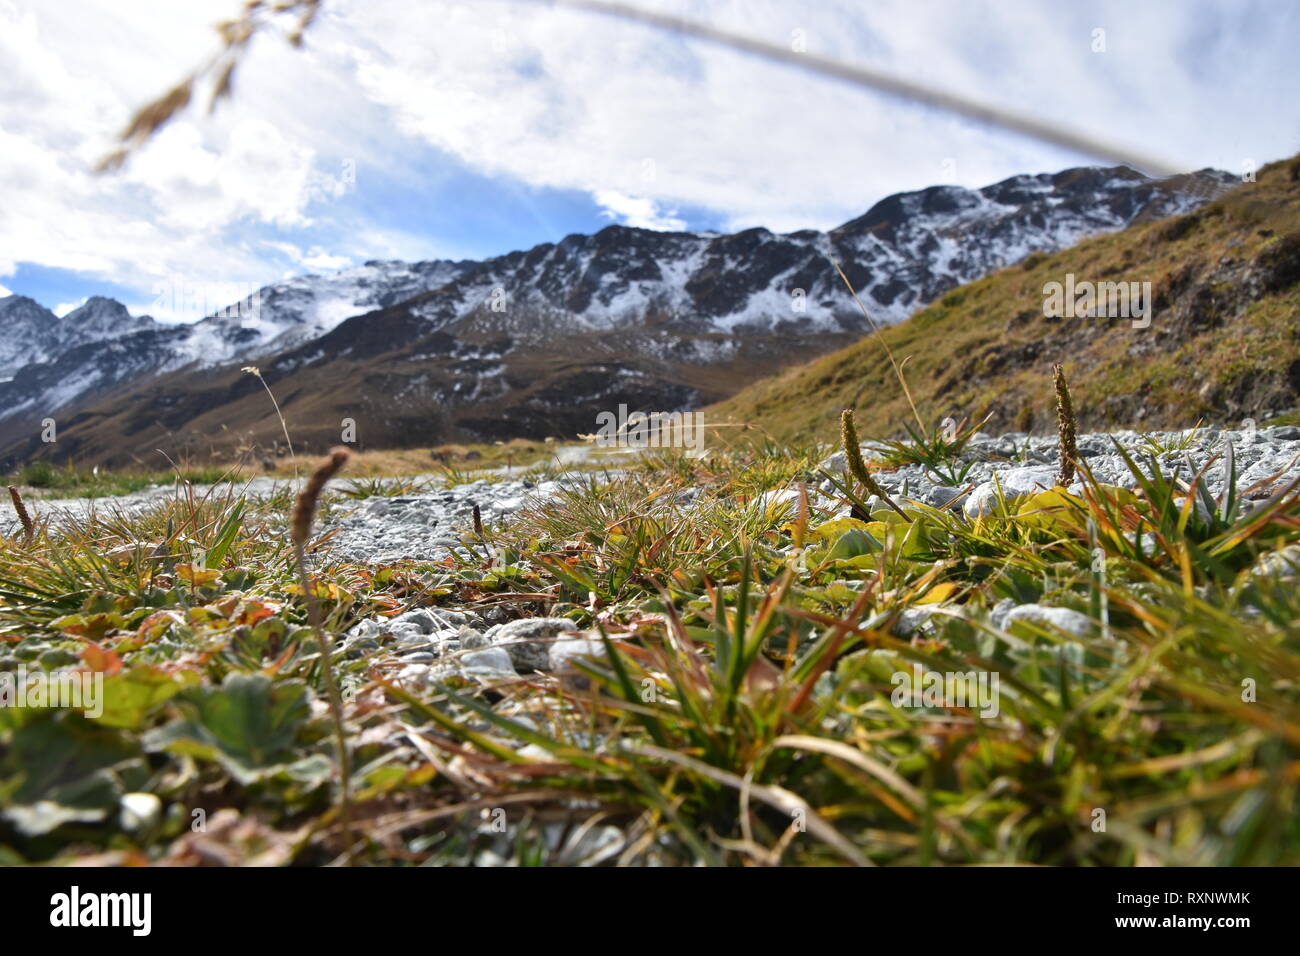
{"type": "Point", "coordinates": [1061, 618]}
{"type": "Point", "coordinates": [492, 662]}
{"type": "Point", "coordinates": [528, 641]}
{"type": "Point", "coordinates": [1283, 565]}
{"type": "Point", "coordinates": [566, 652]}
{"type": "Point", "coordinates": [139, 813]}
{"type": "Point", "coordinates": [1010, 484]}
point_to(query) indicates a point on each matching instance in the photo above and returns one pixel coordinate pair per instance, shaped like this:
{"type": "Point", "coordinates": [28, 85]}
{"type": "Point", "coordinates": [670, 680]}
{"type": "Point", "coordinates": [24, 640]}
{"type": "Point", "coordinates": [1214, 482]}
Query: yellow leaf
{"type": "Point", "coordinates": [197, 576]}
{"type": "Point", "coordinates": [830, 530]}
{"type": "Point", "coordinates": [939, 593]}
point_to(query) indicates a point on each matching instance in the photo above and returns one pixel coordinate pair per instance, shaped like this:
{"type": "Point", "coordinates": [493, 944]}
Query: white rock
{"type": "Point", "coordinates": [565, 653]}
{"type": "Point", "coordinates": [914, 620]}
{"type": "Point", "coordinates": [836, 464]}
{"type": "Point", "coordinates": [422, 617]}
{"type": "Point", "coordinates": [139, 813]}
{"type": "Point", "coordinates": [1014, 483]}
{"type": "Point", "coordinates": [1062, 618]}
{"type": "Point", "coordinates": [491, 662]}
{"type": "Point", "coordinates": [780, 499]}
{"type": "Point", "coordinates": [408, 635]}
{"type": "Point", "coordinates": [528, 641]}
{"type": "Point", "coordinates": [414, 673]}
{"type": "Point", "coordinates": [1279, 564]}
{"type": "Point", "coordinates": [468, 638]}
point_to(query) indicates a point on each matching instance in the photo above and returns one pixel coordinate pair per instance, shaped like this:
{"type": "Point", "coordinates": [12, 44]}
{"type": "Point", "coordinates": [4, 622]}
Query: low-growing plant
{"type": "Point", "coordinates": [742, 702]}
{"type": "Point", "coordinates": [939, 450]}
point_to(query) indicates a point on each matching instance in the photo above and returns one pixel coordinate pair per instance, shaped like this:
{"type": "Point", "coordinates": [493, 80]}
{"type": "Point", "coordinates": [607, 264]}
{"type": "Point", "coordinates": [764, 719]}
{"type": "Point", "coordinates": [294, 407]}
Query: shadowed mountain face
{"type": "Point", "coordinates": [532, 343]}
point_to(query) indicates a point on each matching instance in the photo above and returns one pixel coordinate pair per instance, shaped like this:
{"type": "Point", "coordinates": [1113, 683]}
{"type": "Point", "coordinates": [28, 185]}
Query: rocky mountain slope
{"type": "Point", "coordinates": [29, 336]}
{"type": "Point", "coordinates": [1223, 343]}
{"type": "Point", "coordinates": [536, 343]}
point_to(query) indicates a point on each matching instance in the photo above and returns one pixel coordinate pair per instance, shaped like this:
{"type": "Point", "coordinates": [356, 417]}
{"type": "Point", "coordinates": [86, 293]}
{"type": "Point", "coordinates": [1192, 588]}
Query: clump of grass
{"type": "Point", "coordinates": [1177, 441]}
{"type": "Point", "coordinates": [771, 684]}
{"type": "Point", "coordinates": [938, 450]}
{"type": "Point", "coordinates": [376, 487]}
{"type": "Point", "coordinates": [68, 480]}
{"type": "Point", "coordinates": [741, 709]}
{"type": "Point", "coordinates": [1066, 426]}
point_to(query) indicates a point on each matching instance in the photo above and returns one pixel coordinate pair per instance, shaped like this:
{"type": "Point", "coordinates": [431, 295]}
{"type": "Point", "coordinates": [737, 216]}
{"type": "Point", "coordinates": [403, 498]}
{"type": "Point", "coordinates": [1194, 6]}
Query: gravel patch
{"type": "Point", "coordinates": [380, 529]}
{"type": "Point", "coordinates": [1021, 464]}
{"type": "Point", "coordinates": [426, 526]}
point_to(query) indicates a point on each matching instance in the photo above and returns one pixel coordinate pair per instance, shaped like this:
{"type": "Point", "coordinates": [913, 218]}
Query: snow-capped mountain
{"type": "Point", "coordinates": [29, 334]}
{"type": "Point", "coordinates": [97, 319]}
{"type": "Point", "coordinates": [902, 254]}
{"type": "Point", "coordinates": [33, 334]}
{"type": "Point", "coordinates": [666, 318]}
{"type": "Point", "coordinates": [288, 313]}
{"type": "Point", "coordinates": [46, 363]}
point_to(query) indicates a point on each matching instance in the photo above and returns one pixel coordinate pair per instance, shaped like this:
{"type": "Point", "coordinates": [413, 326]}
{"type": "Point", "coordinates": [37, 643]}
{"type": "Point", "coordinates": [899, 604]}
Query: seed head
{"type": "Point", "coordinates": [305, 510]}
{"type": "Point", "coordinates": [1066, 426]}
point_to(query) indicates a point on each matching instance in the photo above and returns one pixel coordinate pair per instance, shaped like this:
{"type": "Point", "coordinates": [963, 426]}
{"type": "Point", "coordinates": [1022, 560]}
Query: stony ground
{"type": "Point", "coordinates": [754, 606]}
{"type": "Point", "coordinates": [431, 526]}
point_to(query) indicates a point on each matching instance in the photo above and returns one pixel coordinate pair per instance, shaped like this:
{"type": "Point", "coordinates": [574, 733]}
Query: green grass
{"type": "Point", "coordinates": [50, 480]}
{"type": "Point", "coordinates": [744, 713]}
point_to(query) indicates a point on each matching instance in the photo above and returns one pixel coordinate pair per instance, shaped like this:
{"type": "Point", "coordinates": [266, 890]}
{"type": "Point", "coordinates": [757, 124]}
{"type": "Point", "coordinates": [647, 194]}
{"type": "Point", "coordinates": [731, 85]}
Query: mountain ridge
{"type": "Point", "coordinates": [1224, 345]}
{"type": "Point", "coordinates": [667, 318]}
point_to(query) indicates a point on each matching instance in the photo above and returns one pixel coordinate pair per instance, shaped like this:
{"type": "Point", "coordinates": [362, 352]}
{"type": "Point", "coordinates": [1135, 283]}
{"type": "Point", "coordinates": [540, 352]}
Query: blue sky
{"type": "Point", "coordinates": [457, 129]}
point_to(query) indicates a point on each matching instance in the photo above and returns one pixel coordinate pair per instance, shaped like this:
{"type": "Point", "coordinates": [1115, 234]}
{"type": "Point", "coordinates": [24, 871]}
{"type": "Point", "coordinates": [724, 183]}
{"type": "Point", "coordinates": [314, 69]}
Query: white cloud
{"type": "Point", "coordinates": [571, 100]}
{"type": "Point", "coordinates": [316, 258]}
{"type": "Point", "coordinates": [63, 308]}
{"type": "Point", "coordinates": [5, 292]}
{"type": "Point", "coordinates": [637, 211]}
{"type": "Point", "coordinates": [255, 174]}
{"type": "Point", "coordinates": [185, 203]}
{"type": "Point", "coordinates": [649, 125]}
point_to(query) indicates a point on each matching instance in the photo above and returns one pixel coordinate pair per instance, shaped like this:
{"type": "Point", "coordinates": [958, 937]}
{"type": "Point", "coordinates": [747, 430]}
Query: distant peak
{"type": "Point", "coordinates": [97, 308]}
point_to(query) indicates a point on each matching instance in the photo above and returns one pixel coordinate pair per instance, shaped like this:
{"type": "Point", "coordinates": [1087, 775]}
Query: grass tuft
{"type": "Point", "coordinates": [740, 702]}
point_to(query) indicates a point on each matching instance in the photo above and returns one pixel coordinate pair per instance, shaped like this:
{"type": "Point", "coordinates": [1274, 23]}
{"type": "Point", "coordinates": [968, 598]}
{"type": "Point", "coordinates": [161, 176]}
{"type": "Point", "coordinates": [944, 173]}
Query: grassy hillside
{"type": "Point", "coordinates": [1223, 342]}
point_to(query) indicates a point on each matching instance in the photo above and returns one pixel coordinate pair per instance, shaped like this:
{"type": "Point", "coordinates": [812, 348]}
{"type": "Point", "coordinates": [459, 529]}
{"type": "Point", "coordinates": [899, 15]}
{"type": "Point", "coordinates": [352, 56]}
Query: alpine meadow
{"type": "Point", "coordinates": [568, 433]}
